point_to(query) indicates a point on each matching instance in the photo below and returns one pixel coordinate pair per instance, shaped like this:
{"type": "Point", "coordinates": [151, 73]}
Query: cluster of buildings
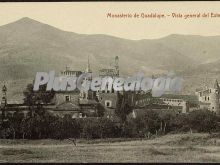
{"type": "Point", "coordinates": [209, 97]}
{"type": "Point", "coordinates": [80, 104]}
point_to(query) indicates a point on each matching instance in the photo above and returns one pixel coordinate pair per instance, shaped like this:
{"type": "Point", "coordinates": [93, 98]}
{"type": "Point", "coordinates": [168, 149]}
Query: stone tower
{"type": "Point", "coordinates": [214, 98]}
{"type": "Point", "coordinates": [87, 94]}
{"type": "Point", "coordinates": [88, 69]}
{"type": "Point", "coordinates": [117, 65]}
{"type": "Point", "coordinates": [4, 100]}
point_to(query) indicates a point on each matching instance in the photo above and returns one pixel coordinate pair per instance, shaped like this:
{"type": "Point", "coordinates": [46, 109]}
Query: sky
{"type": "Point", "coordinates": [91, 17]}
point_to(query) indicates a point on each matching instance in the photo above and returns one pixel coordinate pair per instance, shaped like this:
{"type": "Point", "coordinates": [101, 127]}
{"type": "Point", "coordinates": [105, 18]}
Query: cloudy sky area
{"type": "Point", "coordinates": [91, 18]}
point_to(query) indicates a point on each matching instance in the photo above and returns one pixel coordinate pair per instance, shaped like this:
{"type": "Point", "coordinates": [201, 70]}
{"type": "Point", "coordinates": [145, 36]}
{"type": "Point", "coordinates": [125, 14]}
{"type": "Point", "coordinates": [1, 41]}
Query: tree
{"type": "Point", "coordinates": [146, 122]}
{"type": "Point", "coordinates": [123, 108]}
{"type": "Point", "coordinates": [32, 97]}
{"type": "Point", "coordinates": [100, 110]}
{"type": "Point", "coordinates": [151, 121]}
{"type": "Point", "coordinates": [167, 120]}
{"type": "Point", "coordinates": [203, 121]}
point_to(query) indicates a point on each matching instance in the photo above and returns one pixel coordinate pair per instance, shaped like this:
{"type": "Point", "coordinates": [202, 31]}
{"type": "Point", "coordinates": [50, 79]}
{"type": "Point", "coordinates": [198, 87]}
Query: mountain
{"type": "Point", "coordinates": [28, 46]}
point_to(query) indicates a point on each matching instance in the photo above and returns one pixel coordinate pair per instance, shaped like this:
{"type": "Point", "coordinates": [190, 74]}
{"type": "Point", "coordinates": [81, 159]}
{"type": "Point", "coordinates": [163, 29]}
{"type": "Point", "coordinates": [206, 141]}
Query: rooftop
{"type": "Point", "coordinates": [189, 98]}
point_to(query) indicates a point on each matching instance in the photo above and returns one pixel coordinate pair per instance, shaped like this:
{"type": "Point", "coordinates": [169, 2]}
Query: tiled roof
{"type": "Point", "coordinates": [202, 103]}
{"type": "Point", "coordinates": [68, 105]}
{"type": "Point", "coordinates": [189, 98]}
{"type": "Point", "coordinates": [85, 101]}
{"type": "Point", "coordinates": [15, 101]}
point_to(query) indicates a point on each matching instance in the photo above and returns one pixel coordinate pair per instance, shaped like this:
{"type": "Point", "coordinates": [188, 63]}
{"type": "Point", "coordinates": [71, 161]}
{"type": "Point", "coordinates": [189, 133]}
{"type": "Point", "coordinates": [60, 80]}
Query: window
{"type": "Point", "coordinates": [210, 90]}
{"type": "Point", "coordinates": [67, 98]}
{"type": "Point", "coordinates": [108, 103]}
{"type": "Point", "coordinates": [208, 98]}
{"type": "Point", "coordinates": [213, 107]}
{"type": "Point", "coordinates": [205, 98]}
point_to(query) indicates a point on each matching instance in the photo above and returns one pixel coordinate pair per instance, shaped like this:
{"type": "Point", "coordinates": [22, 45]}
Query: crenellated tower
{"type": "Point", "coordinates": [214, 98]}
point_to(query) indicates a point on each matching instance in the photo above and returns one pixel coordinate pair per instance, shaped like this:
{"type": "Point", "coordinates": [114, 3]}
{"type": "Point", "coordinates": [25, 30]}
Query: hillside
{"type": "Point", "coordinates": [28, 46]}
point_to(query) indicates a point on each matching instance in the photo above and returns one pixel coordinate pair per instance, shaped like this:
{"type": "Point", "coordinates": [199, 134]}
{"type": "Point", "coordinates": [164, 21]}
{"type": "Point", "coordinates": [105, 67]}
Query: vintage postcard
{"type": "Point", "coordinates": [109, 82]}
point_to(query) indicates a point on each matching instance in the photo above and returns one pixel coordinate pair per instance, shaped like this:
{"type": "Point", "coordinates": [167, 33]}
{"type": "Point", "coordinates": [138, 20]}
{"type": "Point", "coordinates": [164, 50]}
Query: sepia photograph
{"type": "Point", "coordinates": [110, 82]}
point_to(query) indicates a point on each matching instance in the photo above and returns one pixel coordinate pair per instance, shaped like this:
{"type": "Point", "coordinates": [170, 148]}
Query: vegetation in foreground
{"type": "Point", "coordinates": [39, 124]}
{"type": "Point", "coordinates": [148, 123]}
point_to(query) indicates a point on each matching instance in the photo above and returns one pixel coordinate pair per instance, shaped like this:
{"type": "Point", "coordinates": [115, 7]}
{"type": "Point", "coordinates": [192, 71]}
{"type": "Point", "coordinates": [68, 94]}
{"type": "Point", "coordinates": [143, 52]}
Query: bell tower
{"type": "Point", "coordinates": [4, 100]}
{"type": "Point", "coordinates": [88, 69]}
{"type": "Point", "coordinates": [88, 94]}
{"type": "Point", "coordinates": [117, 65]}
